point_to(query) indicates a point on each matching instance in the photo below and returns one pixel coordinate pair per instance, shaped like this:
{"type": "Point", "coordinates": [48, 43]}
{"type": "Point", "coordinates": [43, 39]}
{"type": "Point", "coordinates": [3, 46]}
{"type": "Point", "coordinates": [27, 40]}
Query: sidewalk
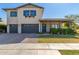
{"type": "Point", "coordinates": [45, 46]}
{"type": "Point", "coordinates": [29, 52]}
{"type": "Point", "coordinates": [27, 49]}
{"type": "Point", "coordinates": [37, 48]}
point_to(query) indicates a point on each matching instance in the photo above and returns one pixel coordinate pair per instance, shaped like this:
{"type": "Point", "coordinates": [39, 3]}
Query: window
{"type": "Point", "coordinates": [26, 13]}
{"type": "Point", "coordinates": [33, 12]}
{"type": "Point", "coordinates": [29, 13]}
{"type": "Point", "coordinates": [55, 26]}
{"type": "Point", "coordinates": [13, 14]}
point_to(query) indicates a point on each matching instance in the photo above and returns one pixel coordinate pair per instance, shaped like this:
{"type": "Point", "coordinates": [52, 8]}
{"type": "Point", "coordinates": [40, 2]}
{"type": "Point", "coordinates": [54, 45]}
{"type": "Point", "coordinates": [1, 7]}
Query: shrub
{"type": "Point", "coordinates": [62, 31]}
{"type": "Point", "coordinates": [70, 31]}
{"type": "Point", "coordinates": [54, 30]}
{"type": "Point", "coordinates": [3, 28]}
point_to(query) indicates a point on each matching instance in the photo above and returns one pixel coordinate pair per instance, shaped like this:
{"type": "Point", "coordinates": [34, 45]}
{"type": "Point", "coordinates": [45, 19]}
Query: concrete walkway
{"type": "Point", "coordinates": [27, 49]}
{"type": "Point", "coordinates": [42, 46]}
{"type": "Point", "coordinates": [29, 52]}
{"type": "Point", "coordinates": [37, 48]}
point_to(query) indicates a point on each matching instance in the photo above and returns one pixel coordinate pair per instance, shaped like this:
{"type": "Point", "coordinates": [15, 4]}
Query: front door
{"type": "Point", "coordinates": [43, 28]}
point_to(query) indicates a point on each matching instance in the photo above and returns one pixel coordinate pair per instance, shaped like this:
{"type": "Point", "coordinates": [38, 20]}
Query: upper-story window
{"type": "Point", "coordinates": [26, 13]}
{"type": "Point", "coordinates": [13, 14]}
{"type": "Point", "coordinates": [33, 12]}
{"type": "Point", "coordinates": [29, 13]}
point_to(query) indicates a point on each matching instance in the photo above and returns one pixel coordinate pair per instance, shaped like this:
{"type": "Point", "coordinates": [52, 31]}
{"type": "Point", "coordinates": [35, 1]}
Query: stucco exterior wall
{"type": "Point", "coordinates": [48, 27]}
{"type": "Point", "coordinates": [21, 19]}
{"type": "Point", "coordinates": [11, 20]}
{"type": "Point", "coordinates": [29, 20]}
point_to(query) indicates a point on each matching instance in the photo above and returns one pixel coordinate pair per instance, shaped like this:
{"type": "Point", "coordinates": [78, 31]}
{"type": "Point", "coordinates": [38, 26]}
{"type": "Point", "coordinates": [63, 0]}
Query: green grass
{"type": "Point", "coordinates": [69, 52]}
{"type": "Point", "coordinates": [58, 39]}
{"type": "Point", "coordinates": [58, 36]}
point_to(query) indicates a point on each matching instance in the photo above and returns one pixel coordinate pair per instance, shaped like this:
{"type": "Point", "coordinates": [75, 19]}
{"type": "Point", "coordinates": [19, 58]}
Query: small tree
{"type": "Point", "coordinates": [74, 25]}
{"type": "Point", "coordinates": [3, 28]}
{"type": "Point", "coordinates": [65, 25]}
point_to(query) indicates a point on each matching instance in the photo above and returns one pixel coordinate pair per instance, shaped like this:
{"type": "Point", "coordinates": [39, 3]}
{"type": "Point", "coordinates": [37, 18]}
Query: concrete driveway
{"type": "Point", "coordinates": [16, 44]}
{"type": "Point", "coordinates": [17, 38]}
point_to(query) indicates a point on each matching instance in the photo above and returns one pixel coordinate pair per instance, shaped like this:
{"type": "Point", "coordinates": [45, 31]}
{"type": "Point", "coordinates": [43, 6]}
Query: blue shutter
{"type": "Point", "coordinates": [33, 12]}
{"type": "Point", "coordinates": [13, 14]}
{"type": "Point", "coordinates": [26, 13]}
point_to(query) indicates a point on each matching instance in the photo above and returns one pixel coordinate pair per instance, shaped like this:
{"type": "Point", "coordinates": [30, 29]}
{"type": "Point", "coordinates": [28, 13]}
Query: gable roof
{"type": "Point", "coordinates": [30, 4]}
{"type": "Point", "coordinates": [23, 6]}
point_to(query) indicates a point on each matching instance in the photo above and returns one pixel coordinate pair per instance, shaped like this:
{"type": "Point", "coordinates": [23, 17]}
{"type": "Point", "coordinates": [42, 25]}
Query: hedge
{"type": "Point", "coordinates": [62, 31]}
{"type": "Point", "coordinates": [3, 28]}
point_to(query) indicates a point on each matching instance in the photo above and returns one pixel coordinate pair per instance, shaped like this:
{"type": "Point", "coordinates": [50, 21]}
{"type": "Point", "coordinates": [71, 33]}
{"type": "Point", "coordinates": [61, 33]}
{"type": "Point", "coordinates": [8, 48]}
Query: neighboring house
{"type": "Point", "coordinates": [28, 19]}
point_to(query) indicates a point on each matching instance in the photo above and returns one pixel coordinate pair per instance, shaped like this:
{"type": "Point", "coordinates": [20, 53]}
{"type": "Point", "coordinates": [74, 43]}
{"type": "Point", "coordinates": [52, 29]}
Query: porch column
{"type": "Point", "coordinates": [8, 28]}
{"type": "Point", "coordinates": [40, 27]}
{"type": "Point", "coordinates": [47, 28]}
{"type": "Point", "coordinates": [19, 28]}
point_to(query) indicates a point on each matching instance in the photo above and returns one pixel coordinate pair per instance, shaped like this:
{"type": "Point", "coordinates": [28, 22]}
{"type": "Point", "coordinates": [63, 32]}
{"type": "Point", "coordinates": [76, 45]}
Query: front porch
{"type": "Point", "coordinates": [46, 24]}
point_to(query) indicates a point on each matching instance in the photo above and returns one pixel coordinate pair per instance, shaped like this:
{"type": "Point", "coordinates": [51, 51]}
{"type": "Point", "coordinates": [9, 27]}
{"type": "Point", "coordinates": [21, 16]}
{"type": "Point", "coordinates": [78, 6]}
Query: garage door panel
{"type": "Point", "coordinates": [13, 28]}
{"type": "Point", "coordinates": [30, 28]}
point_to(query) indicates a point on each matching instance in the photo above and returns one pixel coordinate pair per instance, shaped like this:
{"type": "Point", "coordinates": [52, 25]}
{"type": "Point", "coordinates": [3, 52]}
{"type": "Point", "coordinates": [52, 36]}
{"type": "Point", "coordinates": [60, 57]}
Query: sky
{"type": "Point", "coordinates": [51, 10]}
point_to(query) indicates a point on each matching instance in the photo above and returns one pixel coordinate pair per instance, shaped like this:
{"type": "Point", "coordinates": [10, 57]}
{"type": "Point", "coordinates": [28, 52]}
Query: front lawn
{"type": "Point", "coordinates": [58, 39]}
{"type": "Point", "coordinates": [69, 52]}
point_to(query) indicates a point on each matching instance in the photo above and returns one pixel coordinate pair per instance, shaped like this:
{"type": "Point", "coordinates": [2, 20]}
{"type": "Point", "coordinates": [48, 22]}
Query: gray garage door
{"type": "Point", "coordinates": [13, 28]}
{"type": "Point", "coordinates": [30, 28]}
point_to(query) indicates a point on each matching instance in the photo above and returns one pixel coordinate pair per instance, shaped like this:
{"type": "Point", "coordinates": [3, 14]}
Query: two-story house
{"type": "Point", "coordinates": [28, 19]}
